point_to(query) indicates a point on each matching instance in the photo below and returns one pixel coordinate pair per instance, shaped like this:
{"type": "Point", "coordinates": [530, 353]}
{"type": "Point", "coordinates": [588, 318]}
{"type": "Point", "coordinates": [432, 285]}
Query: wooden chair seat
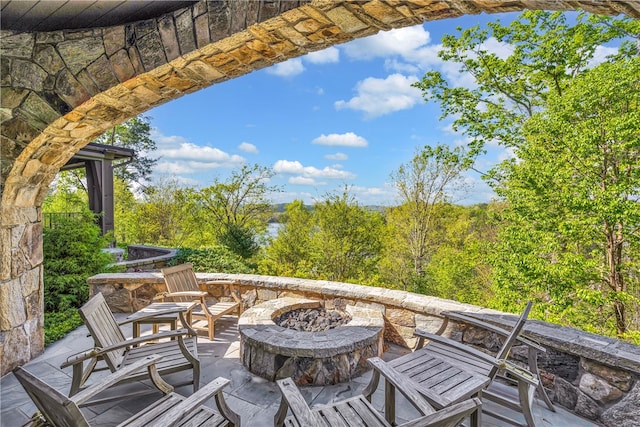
{"type": "Point", "coordinates": [419, 369]}
{"type": "Point", "coordinates": [178, 348]}
{"type": "Point", "coordinates": [358, 411]}
{"type": "Point", "coordinates": [182, 285]}
{"type": "Point", "coordinates": [173, 409]}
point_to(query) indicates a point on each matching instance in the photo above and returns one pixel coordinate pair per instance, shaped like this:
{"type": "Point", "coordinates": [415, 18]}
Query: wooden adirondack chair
{"type": "Point", "coordinates": [61, 411]}
{"type": "Point", "coordinates": [182, 285]}
{"type": "Point", "coordinates": [417, 367]}
{"type": "Point", "coordinates": [358, 411]}
{"type": "Point", "coordinates": [179, 353]}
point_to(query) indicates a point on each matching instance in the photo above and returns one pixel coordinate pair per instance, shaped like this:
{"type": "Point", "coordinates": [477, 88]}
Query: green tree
{"type": "Point", "coordinates": [289, 253]}
{"type": "Point", "coordinates": [135, 134]}
{"type": "Point", "coordinates": [547, 53]}
{"type": "Point", "coordinates": [347, 240]}
{"type": "Point", "coordinates": [72, 252]}
{"type": "Point", "coordinates": [423, 185]}
{"type": "Point", "coordinates": [237, 210]}
{"type": "Point", "coordinates": [573, 194]}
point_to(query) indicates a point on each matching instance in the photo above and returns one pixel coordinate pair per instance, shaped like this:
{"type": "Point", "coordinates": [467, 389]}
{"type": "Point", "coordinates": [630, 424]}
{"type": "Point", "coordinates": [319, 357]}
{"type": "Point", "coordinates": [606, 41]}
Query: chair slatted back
{"type": "Point", "coordinates": [180, 278]}
{"type": "Point", "coordinates": [104, 328]}
{"type": "Point", "coordinates": [511, 339]}
{"type": "Point", "coordinates": [56, 408]}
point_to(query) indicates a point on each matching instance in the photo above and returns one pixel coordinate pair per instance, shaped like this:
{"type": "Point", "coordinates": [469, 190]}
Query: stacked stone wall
{"type": "Point", "coordinates": [594, 376]}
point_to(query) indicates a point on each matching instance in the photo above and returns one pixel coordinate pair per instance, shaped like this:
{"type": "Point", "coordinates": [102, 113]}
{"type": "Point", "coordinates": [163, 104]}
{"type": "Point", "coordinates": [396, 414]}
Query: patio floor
{"type": "Point", "coordinates": [254, 398]}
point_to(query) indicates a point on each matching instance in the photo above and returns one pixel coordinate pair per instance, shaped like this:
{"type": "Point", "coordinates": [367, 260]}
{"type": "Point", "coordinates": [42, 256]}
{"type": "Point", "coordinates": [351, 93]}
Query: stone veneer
{"type": "Point", "coordinates": [594, 376]}
{"type": "Point", "coordinates": [310, 358]}
{"type": "Point", "coordinates": [61, 89]}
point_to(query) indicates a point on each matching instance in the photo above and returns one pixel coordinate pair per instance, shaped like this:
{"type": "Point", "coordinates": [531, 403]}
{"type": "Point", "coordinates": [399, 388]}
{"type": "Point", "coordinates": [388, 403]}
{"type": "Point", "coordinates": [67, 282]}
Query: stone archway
{"type": "Point", "coordinates": [61, 89]}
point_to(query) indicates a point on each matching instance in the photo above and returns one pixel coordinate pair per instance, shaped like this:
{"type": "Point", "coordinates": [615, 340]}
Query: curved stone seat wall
{"type": "Point", "coordinates": [595, 376]}
{"type": "Point", "coordinates": [143, 258]}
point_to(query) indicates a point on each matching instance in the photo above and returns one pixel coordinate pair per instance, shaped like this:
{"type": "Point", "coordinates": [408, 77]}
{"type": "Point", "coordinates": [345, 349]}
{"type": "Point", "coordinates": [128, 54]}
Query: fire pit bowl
{"type": "Point", "coordinates": [323, 357]}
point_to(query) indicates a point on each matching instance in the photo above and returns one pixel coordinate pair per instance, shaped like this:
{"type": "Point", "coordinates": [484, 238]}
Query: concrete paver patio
{"type": "Point", "coordinates": [254, 398]}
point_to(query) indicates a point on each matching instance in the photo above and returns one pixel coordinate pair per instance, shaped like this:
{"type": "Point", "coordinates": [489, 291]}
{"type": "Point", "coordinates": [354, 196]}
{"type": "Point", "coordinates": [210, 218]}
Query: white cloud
{"type": "Point", "coordinates": [348, 139]}
{"type": "Point", "coordinates": [325, 56]}
{"type": "Point", "coordinates": [374, 195]}
{"type": "Point", "coordinates": [400, 42]}
{"type": "Point", "coordinates": [301, 180]}
{"type": "Point", "coordinates": [289, 68]}
{"type": "Point", "coordinates": [288, 167]}
{"type": "Point", "coordinates": [248, 148]}
{"type": "Point", "coordinates": [377, 97]}
{"type": "Point", "coordinates": [336, 156]}
{"type": "Point", "coordinates": [179, 157]}
{"type": "Point", "coordinates": [600, 55]}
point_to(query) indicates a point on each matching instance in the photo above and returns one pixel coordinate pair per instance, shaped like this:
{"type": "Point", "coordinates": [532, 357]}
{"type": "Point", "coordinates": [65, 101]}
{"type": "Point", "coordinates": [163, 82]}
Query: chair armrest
{"type": "Point", "coordinates": [450, 415]}
{"type": "Point", "coordinates": [403, 385]}
{"type": "Point", "coordinates": [455, 344]}
{"type": "Point", "coordinates": [80, 357]}
{"type": "Point", "coordinates": [160, 296]}
{"type": "Point", "coordinates": [114, 378]}
{"type": "Point", "coordinates": [214, 388]}
{"type": "Point", "coordinates": [517, 372]}
{"type": "Point", "coordinates": [463, 318]}
{"type": "Point", "coordinates": [292, 398]}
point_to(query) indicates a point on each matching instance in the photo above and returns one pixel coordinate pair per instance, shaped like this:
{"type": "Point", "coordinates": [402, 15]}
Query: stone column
{"type": "Point", "coordinates": [21, 290]}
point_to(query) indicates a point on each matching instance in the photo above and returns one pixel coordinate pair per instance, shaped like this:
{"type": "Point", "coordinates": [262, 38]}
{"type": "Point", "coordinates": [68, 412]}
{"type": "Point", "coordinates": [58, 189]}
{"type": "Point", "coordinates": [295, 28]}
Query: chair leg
{"type": "Point", "coordinates": [212, 326]}
{"type": "Point", "coordinates": [526, 393]}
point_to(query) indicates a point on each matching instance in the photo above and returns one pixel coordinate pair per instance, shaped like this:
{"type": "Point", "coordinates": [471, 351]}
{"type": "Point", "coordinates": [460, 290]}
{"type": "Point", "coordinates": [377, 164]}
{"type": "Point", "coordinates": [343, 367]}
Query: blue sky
{"type": "Point", "coordinates": [344, 116]}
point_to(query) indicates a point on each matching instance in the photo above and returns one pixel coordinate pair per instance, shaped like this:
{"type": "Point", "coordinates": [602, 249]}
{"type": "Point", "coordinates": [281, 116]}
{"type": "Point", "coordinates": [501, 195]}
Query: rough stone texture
{"type": "Point", "coordinates": [626, 412]}
{"type": "Point", "coordinates": [319, 358]}
{"type": "Point", "coordinates": [587, 407]}
{"type": "Point", "coordinates": [616, 377]}
{"type": "Point", "coordinates": [598, 389]}
{"type": "Point", "coordinates": [565, 393]}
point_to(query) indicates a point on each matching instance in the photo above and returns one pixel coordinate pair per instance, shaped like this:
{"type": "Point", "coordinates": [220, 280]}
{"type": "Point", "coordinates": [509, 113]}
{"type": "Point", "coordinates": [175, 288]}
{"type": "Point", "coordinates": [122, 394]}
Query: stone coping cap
{"type": "Point", "coordinates": [610, 351]}
{"type": "Point", "coordinates": [256, 326]}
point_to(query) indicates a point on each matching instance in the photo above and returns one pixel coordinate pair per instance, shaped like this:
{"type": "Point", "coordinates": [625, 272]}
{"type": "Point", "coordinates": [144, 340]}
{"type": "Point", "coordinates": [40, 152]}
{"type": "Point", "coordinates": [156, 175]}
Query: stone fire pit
{"type": "Point", "coordinates": [328, 357]}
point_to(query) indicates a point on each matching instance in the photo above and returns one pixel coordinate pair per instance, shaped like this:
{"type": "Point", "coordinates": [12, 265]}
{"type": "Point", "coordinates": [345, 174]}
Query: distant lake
{"type": "Point", "coordinates": [273, 228]}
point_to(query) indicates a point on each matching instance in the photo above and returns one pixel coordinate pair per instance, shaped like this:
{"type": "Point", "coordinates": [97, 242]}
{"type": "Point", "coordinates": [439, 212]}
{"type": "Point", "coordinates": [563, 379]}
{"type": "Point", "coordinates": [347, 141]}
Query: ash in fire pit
{"type": "Point", "coordinates": [312, 319]}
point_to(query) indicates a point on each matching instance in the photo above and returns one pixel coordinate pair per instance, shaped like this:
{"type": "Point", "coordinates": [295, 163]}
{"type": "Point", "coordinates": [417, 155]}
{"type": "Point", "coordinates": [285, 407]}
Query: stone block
{"type": "Point", "coordinates": [151, 51]}
{"type": "Point", "coordinates": [47, 57]}
{"type": "Point", "coordinates": [201, 26]}
{"type": "Point", "coordinates": [561, 364]}
{"type": "Point", "coordinates": [31, 281]}
{"type": "Point", "coordinates": [401, 317]}
{"type": "Point", "coordinates": [587, 407]}
{"type": "Point", "coordinates": [184, 30]}
{"type": "Point", "coordinates": [38, 111]}
{"type": "Point", "coordinates": [616, 377]}
{"type": "Point", "coordinates": [27, 74]}
{"type": "Point", "coordinates": [167, 29]}
{"type": "Point", "coordinates": [431, 324]}
{"type": "Point", "coordinates": [17, 45]}
{"type": "Point", "coordinates": [267, 294]}
{"type": "Point", "coordinates": [219, 20]}
{"type": "Point", "coordinates": [345, 20]}
{"type": "Point", "coordinates": [599, 389]}
{"type": "Point", "coordinates": [113, 39]}
{"type": "Point", "coordinates": [626, 412]}
{"type": "Point", "coordinates": [12, 308]}
{"type": "Point", "coordinates": [70, 90]}
{"type": "Point", "coordinates": [14, 349]}
{"type": "Point", "coordinates": [102, 74]}
{"type": "Point", "coordinates": [79, 53]}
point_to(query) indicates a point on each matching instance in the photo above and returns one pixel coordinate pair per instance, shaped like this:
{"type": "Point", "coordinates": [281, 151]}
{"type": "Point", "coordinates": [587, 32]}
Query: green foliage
{"type": "Point", "coordinates": [59, 324]}
{"type": "Point", "coordinates": [547, 53]}
{"type": "Point", "coordinates": [213, 259]}
{"type": "Point", "coordinates": [72, 253]}
{"type": "Point", "coordinates": [236, 212]}
{"type": "Point", "coordinates": [337, 240]}
{"type": "Point", "coordinates": [570, 231]}
{"type": "Point", "coordinates": [134, 134]}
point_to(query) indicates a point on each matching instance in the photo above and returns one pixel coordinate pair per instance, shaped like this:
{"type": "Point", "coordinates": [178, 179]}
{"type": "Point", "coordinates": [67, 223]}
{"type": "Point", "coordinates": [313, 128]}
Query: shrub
{"type": "Point", "coordinates": [214, 259]}
{"type": "Point", "coordinates": [58, 324]}
{"type": "Point", "coordinates": [72, 253]}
